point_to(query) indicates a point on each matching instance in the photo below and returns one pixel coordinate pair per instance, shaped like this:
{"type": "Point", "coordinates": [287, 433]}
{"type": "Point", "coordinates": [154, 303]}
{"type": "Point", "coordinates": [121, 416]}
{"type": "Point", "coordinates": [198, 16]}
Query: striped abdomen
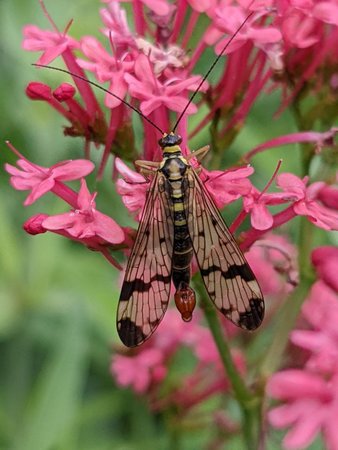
{"type": "Point", "coordinates": [174, 170]}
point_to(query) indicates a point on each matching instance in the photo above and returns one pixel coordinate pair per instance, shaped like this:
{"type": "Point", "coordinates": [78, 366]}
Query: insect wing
{"type": "Point", "coordinates": [227, 276]}
{"type": "Point", "coordinates": [146, 286]}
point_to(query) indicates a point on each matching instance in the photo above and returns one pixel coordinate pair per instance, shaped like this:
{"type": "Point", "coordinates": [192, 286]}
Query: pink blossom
{"type": "Point", "coordinates": [106, 68]}
{"type": "Point", "coordinates": [321, 312]}
{"type": "Point", "coordinates": [325, 260]}
{"type": "Point", "coordinates": [272, 260]}
{"type": "Point", "coordinates": [311, 406]}
{"type": "Point", "coordinates": [40, 180]}
{"type": "Point", "coordinates": [147, 367]}
{"type": "Point", "coordinates": [227, 186]}
{"type": "Point", "coordinates": [86, 222]}
{"type": "Point", "coordinates": [305, 200]}
{"type": "Point", "coordinates": [141, 370]}
{"type": "Point", "coordinates": [115, 19]}
{"type": "Point", "coordinates": [228, 19]}
{"type": "Point", "coordinates": [51, 43]}
{"type": "Point", "coordinates": [300, 31]}
{"type": "Point", "coordinates": [173, 332]}
{"type": "Point", "coordinates": [154, 94]}
{"type": "Point", "coordinates": [255, 202]}
{"type": "Point", "coordinates": [132, 188]}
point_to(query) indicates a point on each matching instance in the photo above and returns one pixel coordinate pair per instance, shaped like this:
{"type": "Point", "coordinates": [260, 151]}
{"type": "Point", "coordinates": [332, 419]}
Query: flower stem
{"type": "Point", "coordinates": [249, 404]}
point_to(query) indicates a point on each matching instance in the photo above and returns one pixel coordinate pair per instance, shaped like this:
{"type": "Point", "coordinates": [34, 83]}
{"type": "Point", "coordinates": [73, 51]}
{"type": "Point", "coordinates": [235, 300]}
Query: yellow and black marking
{"type": "Point", "coordinates": [174, 168]}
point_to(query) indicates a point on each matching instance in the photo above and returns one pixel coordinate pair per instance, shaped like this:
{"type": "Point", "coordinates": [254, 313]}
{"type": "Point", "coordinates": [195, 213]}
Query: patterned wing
{"type": "Point", "coordinates": [227, 276]}
{"type": "Point", "coordinates": [146, 286]}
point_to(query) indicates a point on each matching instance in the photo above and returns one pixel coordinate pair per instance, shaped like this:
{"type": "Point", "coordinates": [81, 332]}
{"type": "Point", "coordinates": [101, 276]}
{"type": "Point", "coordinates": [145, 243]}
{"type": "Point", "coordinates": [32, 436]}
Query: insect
{"type": "Point", "coordinates": [180, 220]}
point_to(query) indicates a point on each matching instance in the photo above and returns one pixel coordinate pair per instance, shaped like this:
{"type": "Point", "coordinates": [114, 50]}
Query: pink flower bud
{"type": "Point", "coordinates": [38, 91]}
{"type": "Point", "coordinates": [64, 92]}
{"type": "Point", "coordinates": [34, 224]}
{"type": "Point", "coordinates": [329, 196]}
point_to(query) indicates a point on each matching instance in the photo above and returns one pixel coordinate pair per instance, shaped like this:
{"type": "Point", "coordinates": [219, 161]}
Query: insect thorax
{"type": "Point", "coordinates": [173, 165]}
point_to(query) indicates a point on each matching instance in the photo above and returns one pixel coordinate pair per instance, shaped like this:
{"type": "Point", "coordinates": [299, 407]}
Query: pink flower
{"type": "Point", "coordinates": [106, 68]}
{"type": "Point", "coordinates": [154, 94]}
{"type": "Point", "coordinates": [321, 312]}
{"type": "Point", "coordinates": [311, 406]}
{"type": "Point", "coordinates": [148, 366]}
{"type": "Point", "coordinates": [305, 200]}
{"type": "Point", "coordinates": [51, 43]}
{"type": "Point", "coordinates": [229, 185]}
{"type": "Point", "coordinates": [40, 180]}
{"type": "Point", "coordinates": [325, 260]}
{"type": "Point", "coordinates": [132, 188]}
{"type": "Point", "coordinates": [255, 202]}
{"type": "Point", "coordinates": [227, 19]}
{"type": "Point", "coordinates": [86, 222]}
{"type": "Point", "coordinates": [140, 371]}
{"type": "Point", "coordinates": [115, 19]}
{"type": "Point", "coordinates": [272, 260]}
{"type": "Point", "coordinates": [300, 31]}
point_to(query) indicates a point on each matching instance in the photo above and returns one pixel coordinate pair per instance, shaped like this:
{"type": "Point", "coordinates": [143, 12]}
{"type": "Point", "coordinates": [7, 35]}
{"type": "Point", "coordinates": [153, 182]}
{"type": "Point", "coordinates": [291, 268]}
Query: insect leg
{"type": "Point", "coordinates": [147, 167]}
{"type": "Point", "coordinates": [199, 154]}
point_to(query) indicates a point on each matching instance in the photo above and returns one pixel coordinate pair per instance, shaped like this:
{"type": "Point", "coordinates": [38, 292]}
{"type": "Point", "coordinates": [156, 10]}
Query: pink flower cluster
{"type": "Point", "coordinates": [310, 395]}
{"type": "Point", "coordinates": [146, 370]}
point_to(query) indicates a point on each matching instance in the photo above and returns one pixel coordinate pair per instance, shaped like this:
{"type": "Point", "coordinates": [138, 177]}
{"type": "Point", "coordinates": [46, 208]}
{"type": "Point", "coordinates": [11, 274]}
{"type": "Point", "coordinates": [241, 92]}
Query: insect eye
{"type": "Point", "coordinates": [169, 140]}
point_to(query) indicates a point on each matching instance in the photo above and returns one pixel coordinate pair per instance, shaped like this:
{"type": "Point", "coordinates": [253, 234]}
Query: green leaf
{"type": "Point", "coordinates": [56, 399]}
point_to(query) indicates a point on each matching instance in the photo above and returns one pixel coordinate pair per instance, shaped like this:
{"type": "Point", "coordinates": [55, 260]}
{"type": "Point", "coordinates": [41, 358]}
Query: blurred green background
{"type": "Point", "coordinates": [57, 299]}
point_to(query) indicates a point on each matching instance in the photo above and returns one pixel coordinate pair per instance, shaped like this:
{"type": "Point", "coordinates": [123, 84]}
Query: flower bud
{"type": "Point", "coordinates": [38, 91]}
{"type": "Point", "coordinates": [34, 224]}
{"type": "Point", "coordinates": [64, 92]}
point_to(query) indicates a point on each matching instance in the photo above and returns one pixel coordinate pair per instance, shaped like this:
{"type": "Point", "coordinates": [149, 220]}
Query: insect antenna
{"type": "Point", "coordinates": [210, 69]}
{"type": "Point", "coordinates": [104, 90]}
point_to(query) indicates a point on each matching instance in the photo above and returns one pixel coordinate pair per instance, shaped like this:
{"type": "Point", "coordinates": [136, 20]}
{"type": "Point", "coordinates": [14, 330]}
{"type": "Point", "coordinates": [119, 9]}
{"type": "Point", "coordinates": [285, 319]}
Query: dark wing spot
{"type": "Point", "coordinates": [131, 335]}
{"type": "Point", "coordinates": [138, 285]}
{"type": "Point", "coordinates": [233, 271]}
{"type": "Point", "coordinates": [251, 319]}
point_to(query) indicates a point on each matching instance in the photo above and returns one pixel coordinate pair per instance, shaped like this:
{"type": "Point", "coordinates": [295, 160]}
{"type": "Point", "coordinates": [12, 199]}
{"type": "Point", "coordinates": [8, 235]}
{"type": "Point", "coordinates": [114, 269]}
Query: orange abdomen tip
{"type": "Point", "coordinates": [185, 301]}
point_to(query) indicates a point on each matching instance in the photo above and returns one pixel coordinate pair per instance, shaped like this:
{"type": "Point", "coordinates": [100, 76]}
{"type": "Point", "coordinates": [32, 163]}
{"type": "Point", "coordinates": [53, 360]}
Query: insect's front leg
{"type": "Point", "coordinates": [147, 167]}
{"type": "Point", "coordinates": [199, 154]}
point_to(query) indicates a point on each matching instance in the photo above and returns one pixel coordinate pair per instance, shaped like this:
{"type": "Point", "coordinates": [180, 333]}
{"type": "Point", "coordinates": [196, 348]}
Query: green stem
{"type": "Point", "coordinates": [248, 403]}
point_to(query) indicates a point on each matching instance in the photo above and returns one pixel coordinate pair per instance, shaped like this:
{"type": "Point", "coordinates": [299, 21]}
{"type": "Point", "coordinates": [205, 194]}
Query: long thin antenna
{"type": "Point", "coordinates": [102, 89]}
{"type": "Point", "coordinates": [210, 69]}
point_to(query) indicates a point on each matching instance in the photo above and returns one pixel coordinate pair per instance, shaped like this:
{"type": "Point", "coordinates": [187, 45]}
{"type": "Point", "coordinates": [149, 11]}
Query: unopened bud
{"type": "Point", "coordinates": [64, 92]}
{"type": "Point", "coordinates": [38, 91]}
{"type": "Point", "coordinates": [34, 224]}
